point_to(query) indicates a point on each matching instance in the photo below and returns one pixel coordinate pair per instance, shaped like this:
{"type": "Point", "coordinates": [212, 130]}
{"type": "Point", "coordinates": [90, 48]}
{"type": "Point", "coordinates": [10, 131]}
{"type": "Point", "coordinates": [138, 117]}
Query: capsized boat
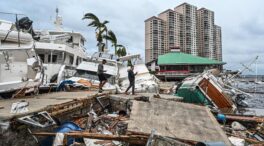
{"type": "Point", "coordinates": [20, 67]}
{"type": "Point", "coordinates": [205, 89]}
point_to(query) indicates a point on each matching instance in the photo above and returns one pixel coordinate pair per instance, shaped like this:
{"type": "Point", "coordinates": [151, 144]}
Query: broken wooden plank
{"type": "Point", "coordinates": [245, 118]}
{"type": "Point", "coordinates": [132, 139]}
{"type": "Point", "coordinates": [192, 142]}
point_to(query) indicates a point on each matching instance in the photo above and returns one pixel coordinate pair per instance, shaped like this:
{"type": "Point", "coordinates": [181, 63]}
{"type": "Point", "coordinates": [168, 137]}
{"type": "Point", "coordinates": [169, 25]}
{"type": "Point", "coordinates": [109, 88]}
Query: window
{"type": "Point", "coordinates": [54, 59]}
{"type": "Point", "coordinates": [71, 60]}
{"type": "Point", "coordinates": [42, 57]}
{"type": "Point", "coordinates": [82, 41]}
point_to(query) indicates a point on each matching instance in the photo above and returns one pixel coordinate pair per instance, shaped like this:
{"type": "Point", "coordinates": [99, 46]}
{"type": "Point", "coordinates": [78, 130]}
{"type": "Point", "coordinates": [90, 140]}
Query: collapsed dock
{"type": "Point", "coordinates": [140, 114]}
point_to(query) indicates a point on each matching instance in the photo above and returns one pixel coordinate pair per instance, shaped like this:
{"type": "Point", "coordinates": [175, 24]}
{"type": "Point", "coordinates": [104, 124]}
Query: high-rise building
{"type": "Point", "coordinates": [185, 27]}
{"type": "Point", "coordinates": [172, 29]}
{"type": "Point", "coordinates": [218, 42]}
{"type": "Point", "coordinates": [205, 37]}
{"type": "Point", "coordinates": [189, 30]}
{"type": "Point", "coordinates": [154, 38]}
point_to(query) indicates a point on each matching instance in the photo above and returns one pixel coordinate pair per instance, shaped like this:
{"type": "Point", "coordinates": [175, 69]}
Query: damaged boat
{"type": "Point", "coordinates": [116, 73]}
{"type": "Point", "coordinates": [60, 51]}
{"type": "Point", "coordinates": [21, 70]}
{"type": "Point", "coordinates": [206, 89]}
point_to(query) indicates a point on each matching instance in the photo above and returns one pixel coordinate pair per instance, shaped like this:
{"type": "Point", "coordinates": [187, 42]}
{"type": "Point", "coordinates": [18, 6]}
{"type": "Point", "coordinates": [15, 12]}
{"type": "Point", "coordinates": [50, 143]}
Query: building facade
{"type": "Point", "coordinates": [189, 28]}
{"type": "Point", "coordinates": [154, 38]}
{"type": "Point", "coordinates": [205, 37]}
{"type": "Point", "coordinates": [218, 42]}
{"type": "Point", "coordinates": [176, 65]}
{"type": "Point", "coordinates": [185, 27]}
{"type": "Point", "coordinates": [171, 29]}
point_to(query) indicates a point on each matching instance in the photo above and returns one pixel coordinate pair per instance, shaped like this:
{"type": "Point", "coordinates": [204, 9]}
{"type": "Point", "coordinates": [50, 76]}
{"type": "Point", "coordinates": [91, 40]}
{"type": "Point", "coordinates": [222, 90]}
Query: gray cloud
{"type": "Point", "coordinates": [242, 22]}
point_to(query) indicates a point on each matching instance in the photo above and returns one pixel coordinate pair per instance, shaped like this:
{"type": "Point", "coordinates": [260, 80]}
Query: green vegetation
{"type": "Point", "coordinates": [101, 28]}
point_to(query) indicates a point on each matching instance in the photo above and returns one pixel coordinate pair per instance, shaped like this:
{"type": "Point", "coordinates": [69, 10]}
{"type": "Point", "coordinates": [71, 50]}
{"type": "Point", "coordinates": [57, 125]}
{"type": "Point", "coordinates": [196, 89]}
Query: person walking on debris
{"type": "Point", "coordinates": [131, 78]}
{"type": "Point", "coordinates": [101, 75]}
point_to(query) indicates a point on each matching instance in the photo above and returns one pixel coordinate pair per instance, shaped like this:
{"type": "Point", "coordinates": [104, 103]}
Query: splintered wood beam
{"type": "Point", "coordinates": [73, 105]}
{"type": "Point", "coordinates": [245, 118]}
{"type": "Point", "coordinates": [132, 139]}
{"type": "Point", "coordinates": [192, 142]}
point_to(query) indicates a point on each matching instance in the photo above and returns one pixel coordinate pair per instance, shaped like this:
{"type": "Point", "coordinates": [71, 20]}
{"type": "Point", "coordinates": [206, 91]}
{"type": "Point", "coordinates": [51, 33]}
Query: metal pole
{"type": "Point", "coordinates": [18, 30]}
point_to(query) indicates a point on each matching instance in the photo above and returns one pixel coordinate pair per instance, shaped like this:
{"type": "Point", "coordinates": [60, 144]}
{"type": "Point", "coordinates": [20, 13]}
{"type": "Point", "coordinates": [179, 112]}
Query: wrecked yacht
{"type": "Point", "coordinates": [116, 73]}
{"type": "Point", "coordinates": [206, 89]}
{"type": "Point", "coordinates": [60, 51]}
{"type": "Point", "coordinates": [20, 67]}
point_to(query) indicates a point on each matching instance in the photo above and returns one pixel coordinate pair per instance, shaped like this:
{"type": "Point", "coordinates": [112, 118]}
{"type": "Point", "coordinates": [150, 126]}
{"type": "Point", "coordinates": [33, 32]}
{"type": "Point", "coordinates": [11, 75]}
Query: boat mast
{"type": "Point", "coordinates": [58, 21]}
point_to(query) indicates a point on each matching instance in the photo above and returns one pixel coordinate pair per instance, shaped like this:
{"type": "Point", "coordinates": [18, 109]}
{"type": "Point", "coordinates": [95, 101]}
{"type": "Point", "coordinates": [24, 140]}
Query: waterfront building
{"type": "Point", "coordinates": [176, 65]}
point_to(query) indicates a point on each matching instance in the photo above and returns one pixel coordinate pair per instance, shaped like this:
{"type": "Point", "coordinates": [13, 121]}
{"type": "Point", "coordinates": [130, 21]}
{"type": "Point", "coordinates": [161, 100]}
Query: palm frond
{"type": "Point", "coordinates": [112, 36]}
{"type": "Point", "coordinates": [91, 16]}
{"type": "Point", "coordinates": [93, 24]}
{"type": "Point", "coordinates": [120, 46]}
{"type": "Point", "coordinates": [105, 22]}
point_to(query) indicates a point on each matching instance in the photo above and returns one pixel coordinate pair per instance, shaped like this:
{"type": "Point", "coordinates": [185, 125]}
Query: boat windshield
{"type": "Point", "coordinates": [86, 74]}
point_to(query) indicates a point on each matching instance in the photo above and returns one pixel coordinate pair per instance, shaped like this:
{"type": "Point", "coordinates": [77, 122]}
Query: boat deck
{"type": "Point", "coordinates": [40, 102]}
{"type": "Point", "coordinates": [176, 119]}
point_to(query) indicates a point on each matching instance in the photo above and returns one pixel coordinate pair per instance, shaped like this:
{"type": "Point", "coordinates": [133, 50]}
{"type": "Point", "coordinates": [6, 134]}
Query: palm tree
{"type": "Point", "coordinates": [121, 51]}
{"type": "Point", "coordinates": [112, 38]}
{"type": "Point", "coordinates": [100, 26]}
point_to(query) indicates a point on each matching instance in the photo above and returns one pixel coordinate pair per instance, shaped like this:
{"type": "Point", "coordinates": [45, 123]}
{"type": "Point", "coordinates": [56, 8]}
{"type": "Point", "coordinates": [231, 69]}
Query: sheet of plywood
{"type": "Point", "coordinates": [176, 119]}
{"type": "Point", "coordinates": [40, 102]}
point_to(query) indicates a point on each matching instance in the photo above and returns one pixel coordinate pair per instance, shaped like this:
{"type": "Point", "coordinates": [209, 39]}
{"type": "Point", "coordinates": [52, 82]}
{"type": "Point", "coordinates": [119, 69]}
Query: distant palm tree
{"type": "Point", "coordinates": [100, 27]}
{"type": "Point", "coordinates": [121, 51]}
{"type": "Point", "coordinates": [112, 38]}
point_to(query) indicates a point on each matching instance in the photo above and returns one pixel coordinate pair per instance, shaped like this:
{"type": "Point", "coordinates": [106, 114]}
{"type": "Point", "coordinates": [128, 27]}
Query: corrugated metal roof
{"type": "Point", "coordinates": [177, 58]}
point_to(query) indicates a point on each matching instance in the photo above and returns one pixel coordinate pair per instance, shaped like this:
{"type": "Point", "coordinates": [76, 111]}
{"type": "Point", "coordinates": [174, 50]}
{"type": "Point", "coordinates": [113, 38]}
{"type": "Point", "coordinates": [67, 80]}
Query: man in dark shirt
{"type": "Point", "coordinates": [131, 78]}
{"type": "Point", "coordinates": [101, 75]}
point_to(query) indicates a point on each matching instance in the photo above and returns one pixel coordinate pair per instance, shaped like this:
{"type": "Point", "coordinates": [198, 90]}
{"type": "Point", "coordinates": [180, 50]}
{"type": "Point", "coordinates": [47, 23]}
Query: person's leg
{"type": "Point", "coordinates": [133, 87]}
{"type": "Point", "coordinates": [103, 83]}
{"type": "Point", "coordinates": [100, 84]}
{"type": "Point", "coordinates": [130, 85]}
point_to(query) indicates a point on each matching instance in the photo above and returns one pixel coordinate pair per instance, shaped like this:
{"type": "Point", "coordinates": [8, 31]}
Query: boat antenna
{"type": "Point", "coordinates": [58, 21]}
{"type": "Point", "coordinates": [246, 67]}
{"type": "Point", "coordinates": [18, 30]}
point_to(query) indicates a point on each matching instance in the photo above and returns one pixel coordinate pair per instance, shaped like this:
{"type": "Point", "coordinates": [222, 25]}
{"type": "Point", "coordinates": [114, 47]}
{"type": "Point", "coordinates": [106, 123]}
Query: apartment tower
{"type": "Point", "coordinates": [189, 30]}
{"type": "Point", "coordinates": [218, 42]}
{"type": "Point", "coordinates": [154, 38]}
{"type": "Point", "coordinates": [172, 27]}
{"type": "Point", "coordinates": [185, 27]}
{"type": "Point", "coordinates": [205, 37]}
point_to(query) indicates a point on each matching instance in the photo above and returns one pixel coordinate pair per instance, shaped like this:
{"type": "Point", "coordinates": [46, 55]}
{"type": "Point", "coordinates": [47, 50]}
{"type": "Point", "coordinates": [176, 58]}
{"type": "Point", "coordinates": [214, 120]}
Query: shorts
{"type": "Point", "coordinates": [102, 77]}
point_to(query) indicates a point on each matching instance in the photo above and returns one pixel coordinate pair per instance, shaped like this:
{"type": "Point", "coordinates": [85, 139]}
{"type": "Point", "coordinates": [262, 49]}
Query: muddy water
{"type": "Point", "coordinates": [256, 102]}
{"type": "Point", "coordinates": [257, 93]}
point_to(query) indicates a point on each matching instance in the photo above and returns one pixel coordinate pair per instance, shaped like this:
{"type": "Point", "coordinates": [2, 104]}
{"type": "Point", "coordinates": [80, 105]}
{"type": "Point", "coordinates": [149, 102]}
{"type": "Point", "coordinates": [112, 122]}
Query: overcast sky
{"type": "Point", "coordinates": [242, 22]}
